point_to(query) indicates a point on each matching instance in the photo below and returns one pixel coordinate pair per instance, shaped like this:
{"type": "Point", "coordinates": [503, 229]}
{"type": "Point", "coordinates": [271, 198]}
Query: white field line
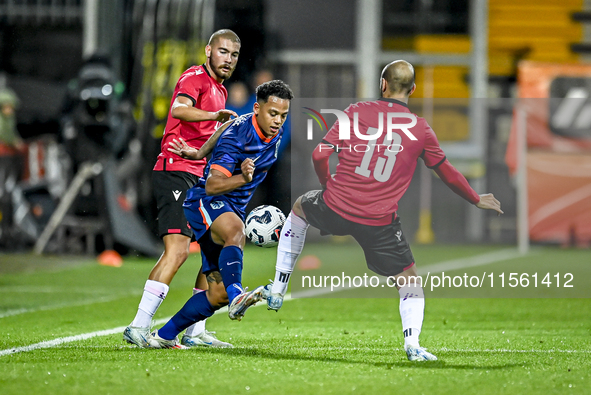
{"type": "Point", "coordinates": [473, 261]}
{"type": "Point", "coordinates": [61, 340]}
{"type": "Point", "coordinates": [503, 350]}
{"type": "Point", "coordinates": [478, 260]}
{"type": "Point", "coordinates": [13, 312]}
{"type": "Point", "coordinates": [46, 289]}
{"type": "Point", "coordinates": [434, 349]}
{"type": "Point", "coordinates": [85, 336]}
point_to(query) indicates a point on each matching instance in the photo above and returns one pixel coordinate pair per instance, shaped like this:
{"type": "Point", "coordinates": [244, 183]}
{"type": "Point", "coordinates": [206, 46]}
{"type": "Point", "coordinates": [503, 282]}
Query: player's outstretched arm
{"type": "Point", "coordinates": [182, 149]}
{"type": "Point", "coordinates": [182, 108]}
{"type": "Point", "coordinates": [489, 202]}
{"type": "Point", "coordinates": [458, 183]}
{"type": "Point", "coordinates": [224, 115]}
{"type": "Point", "coordinates": [210, 143]}
{"type": "Point", "coordinates": [219, 183]}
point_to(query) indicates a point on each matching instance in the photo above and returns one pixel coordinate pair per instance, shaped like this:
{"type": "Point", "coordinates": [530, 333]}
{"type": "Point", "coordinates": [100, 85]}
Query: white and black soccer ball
{"type": "Point", "coordinates": [263, 226]}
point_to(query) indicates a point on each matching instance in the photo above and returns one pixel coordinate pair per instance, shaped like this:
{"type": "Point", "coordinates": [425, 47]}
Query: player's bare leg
{"type": "Point", "coordinates": [224, 286]}
{"type": "Point", "coordinates": [199, 307]}
{"type": "Point", "coordinates": [412, 310]}
{"type": "Point", "coordinates": [176, 251]}
{"type": "Point", "coordinates": [228, 230]}
{"type": "Point", "coordinates": [201, 281]}
{"type": "Point", "coordinates": [196, 335]}
{"type": "Point", "coordinates": [216, 292]}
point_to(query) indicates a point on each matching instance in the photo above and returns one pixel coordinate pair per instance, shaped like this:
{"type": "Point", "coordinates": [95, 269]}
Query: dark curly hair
{"type": "Point", "coordinates": [275, 88]}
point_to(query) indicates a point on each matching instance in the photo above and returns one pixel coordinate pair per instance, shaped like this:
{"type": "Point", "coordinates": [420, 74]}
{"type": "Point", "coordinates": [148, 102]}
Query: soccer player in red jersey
{"type": "Point", "coordinates": [197, 109]}
{"type": "Point", "coordinates": [361, 199]}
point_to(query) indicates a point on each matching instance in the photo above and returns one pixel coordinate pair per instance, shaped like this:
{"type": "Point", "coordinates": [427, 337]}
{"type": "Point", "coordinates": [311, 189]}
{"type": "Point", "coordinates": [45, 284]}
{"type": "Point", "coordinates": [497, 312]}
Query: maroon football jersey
{"type": "Point", "coordinates": [372, 175]}
{"type": "Point", "coordinates": [206, 94]}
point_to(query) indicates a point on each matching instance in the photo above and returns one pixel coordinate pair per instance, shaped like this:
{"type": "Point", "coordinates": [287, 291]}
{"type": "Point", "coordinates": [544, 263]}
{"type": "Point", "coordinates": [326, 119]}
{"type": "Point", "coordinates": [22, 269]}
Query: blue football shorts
{"type": "Point", "coordinates": [200, 214]}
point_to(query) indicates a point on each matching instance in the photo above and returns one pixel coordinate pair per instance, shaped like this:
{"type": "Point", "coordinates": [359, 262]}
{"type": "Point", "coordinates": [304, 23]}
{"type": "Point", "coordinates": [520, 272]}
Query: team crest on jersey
{"type": "Point", "coordinates": [216, 205]}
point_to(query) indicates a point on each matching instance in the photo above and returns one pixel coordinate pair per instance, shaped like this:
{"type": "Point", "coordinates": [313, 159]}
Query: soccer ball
{"type": "Point", "coordinates": [263, 226]}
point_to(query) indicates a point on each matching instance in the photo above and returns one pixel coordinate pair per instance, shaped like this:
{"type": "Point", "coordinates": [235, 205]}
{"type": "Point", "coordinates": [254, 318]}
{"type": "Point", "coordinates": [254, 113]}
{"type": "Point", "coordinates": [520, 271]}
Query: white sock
{"type": "Point", "coordinates": [412, 311]}
{"type": "Point", "coordinates": [291, 244]}
{"type": "Point", "coordinates": [198, 327]}
{"type": "Point", "coordinates": [154, 294]}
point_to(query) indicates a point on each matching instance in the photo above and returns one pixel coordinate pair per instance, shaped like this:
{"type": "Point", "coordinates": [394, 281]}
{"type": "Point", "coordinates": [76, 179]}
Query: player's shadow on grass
{"type": "Point", "coordinates": [394, 354]}
{"type": "Point", "coordinates": [442, 364]}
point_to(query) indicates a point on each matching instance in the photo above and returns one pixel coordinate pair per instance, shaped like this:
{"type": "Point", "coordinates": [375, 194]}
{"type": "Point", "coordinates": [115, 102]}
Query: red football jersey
{"type": "Point", "coordinates": [206, 94]}
{"type": "Point", "coordinates": [372, 176]}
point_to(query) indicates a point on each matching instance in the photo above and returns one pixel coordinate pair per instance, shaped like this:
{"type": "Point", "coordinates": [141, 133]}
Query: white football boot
{"type": "Point", "coordinates": [136, 335]}
{"type": "Point", "coordinates": [204, 339]}
{"type": "Point", "coordinates": [155, 341]}
{"type": "Point", "coordinates": [274, 301]}
{"type": "Point", "coordinates": [419, 354]}
{"type": "Point", "coordinates": [243, 301]}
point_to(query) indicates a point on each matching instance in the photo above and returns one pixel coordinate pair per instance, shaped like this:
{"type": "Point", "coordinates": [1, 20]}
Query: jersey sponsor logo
{"type": "Point", "coordinates": [217, 205]}
{"type": "Point", "coordinates": [345, 124]}
{"type": "Point", "coordinates": [176, 194]}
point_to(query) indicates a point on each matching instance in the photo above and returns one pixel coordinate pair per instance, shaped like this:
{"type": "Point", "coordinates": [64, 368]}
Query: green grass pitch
{"type": "Point", "coordinates": [312, 345]}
